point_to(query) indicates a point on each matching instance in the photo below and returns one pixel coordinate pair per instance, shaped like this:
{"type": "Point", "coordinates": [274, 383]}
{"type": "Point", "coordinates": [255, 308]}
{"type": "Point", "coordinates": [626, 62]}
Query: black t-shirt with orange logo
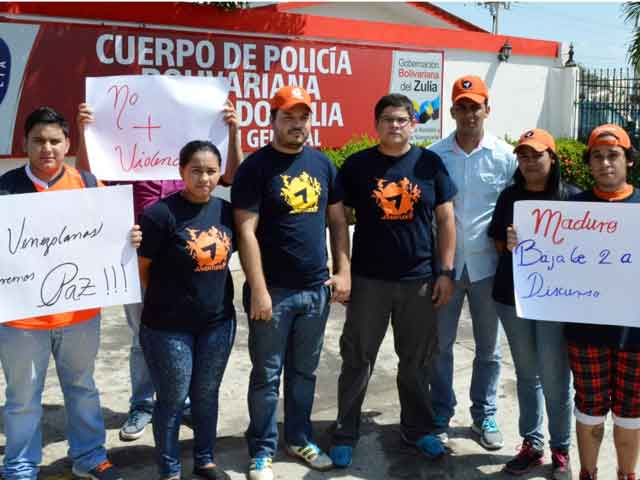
{"type": "Point", "coordinates": [189, 244]}
{"type": "Point", "coordinates": [290, 192]}
{"type": "Point", "coordinates": [394, 199]}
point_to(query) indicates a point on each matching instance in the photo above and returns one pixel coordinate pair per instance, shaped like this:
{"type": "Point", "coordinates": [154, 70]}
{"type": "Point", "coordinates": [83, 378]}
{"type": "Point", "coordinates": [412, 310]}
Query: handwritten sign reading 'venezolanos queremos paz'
{"type": "Point", "coordinates": [577, 262]}
{"type": "Point", "coordinates": [142, 121]}
{"type": "Point", "coordinates": [65, 251]}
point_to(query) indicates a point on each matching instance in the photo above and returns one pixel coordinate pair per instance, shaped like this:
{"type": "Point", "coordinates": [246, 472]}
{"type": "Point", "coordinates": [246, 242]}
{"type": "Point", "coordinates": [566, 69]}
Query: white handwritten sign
{"type": "Point", "coordinates": [66, 250]}
{"type": "Point", "coordinates": [577, 262]}
{"type": "Point", "coordinates": [142, 121]}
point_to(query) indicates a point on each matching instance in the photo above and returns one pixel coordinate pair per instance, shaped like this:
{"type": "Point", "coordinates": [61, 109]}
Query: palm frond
{"type": "Point", "coordinates": [631, 11]}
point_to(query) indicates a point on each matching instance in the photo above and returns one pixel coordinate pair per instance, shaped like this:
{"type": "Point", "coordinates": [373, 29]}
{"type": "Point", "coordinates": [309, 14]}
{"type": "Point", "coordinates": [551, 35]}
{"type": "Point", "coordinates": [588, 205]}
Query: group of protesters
{"type": "Point", "coordinates": [433, 227]}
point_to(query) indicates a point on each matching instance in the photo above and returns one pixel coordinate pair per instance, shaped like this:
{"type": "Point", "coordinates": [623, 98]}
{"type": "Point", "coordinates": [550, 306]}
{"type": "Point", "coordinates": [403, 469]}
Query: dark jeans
{"type": "Point", "coordinates": [181, 365]}
{"type": "Point", "coordinates": [412, 314]}
{"type": "Point", "coordinates": [292, 340]}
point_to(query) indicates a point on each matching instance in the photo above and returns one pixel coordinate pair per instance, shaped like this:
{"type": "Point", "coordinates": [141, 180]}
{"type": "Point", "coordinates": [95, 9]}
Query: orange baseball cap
{"type": "Point", "coordinates": [602, 136]}
{"type": "Point", "coordinates": [538, 139]}
{"type": "Point", "coordinates": [288, 97]}
{"type": "Point", "coordinates": [470, 87]}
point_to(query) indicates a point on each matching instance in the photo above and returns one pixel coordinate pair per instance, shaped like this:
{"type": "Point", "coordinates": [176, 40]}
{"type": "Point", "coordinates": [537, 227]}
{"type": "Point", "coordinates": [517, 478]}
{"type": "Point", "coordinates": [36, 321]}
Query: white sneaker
{"type": "Point", "coordinates": [312, 456]}
{"type": "Point", "coordinates": [260, 469]}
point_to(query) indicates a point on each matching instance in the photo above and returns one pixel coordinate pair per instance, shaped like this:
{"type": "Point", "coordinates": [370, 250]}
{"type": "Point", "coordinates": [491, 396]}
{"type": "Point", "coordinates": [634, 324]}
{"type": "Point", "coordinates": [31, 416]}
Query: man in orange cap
{"type": "Point", "coordinates": [284, 196]}
{"type": "Point", "coordinates": [481, 165]}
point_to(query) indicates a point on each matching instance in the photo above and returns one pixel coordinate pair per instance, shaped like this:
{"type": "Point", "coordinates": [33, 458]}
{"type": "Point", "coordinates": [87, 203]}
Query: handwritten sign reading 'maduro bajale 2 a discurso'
{"type": "Point", "coordinates": [65, 251]}
{"type": "Point", "coordinates": [577, 262]}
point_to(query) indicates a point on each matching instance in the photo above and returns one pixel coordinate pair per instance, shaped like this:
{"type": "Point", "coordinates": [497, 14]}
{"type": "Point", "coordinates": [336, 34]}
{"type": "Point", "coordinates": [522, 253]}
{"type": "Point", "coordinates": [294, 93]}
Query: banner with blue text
{"type": "Point", "coordinates": [577, 262]}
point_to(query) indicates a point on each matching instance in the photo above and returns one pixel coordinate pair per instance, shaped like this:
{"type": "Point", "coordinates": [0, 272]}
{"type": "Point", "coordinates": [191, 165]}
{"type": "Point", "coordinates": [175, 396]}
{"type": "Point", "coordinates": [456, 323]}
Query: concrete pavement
{"type": "Point", "coordinates": [379, 455]}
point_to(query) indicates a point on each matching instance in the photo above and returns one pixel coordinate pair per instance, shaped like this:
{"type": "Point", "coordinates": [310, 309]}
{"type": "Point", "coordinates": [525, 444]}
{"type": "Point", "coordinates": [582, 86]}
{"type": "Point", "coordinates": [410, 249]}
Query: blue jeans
{"type": "Point", "coordinates": [539, 352]}
{"type": "Point", "coordinates": [486, 364]}
{"type": "Point", "coordinates": [25, 358]}
{"type": "Point", "coordinates": [184, 364]}
{"type": "Point", "coordinates": [141, 385]}
{"type": "Point", "coordinates": [292, 340]}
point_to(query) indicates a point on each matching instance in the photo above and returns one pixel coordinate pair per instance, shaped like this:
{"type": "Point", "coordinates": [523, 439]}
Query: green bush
{"type": "Point", "coordinates": [573, 168]}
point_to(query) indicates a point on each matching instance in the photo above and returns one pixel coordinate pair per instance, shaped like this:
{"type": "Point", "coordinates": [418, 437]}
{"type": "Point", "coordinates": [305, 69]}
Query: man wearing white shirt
{"type": "Point", "coordinates": [481, 165]}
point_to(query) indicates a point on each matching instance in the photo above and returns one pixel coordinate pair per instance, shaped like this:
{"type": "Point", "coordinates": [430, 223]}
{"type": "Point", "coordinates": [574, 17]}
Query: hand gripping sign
{"type": "Point", "coordinates": [142, 121]}
{"type": "Point", "coordinates": [66, 250]}
{"type": "Point", "coordinates": [577, 262]}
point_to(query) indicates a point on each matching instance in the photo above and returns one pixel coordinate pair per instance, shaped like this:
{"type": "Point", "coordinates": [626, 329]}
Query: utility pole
{"type": "Point", "coordinates": [494, 10]}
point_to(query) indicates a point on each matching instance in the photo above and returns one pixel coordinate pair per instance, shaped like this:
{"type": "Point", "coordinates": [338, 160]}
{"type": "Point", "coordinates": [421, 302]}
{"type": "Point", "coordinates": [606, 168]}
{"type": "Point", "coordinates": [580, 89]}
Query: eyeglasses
{"type": "Point", "coordinates": [400, 121]}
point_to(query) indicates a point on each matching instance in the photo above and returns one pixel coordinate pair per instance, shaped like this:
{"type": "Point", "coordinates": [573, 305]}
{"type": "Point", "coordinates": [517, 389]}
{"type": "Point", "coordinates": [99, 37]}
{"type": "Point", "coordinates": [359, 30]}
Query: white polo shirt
{"type": "Point", "coordinates": [480, 177]}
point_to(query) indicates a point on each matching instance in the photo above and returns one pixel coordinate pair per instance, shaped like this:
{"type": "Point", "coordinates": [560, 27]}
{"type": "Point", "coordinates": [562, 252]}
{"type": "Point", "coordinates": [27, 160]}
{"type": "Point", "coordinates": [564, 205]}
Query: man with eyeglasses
{"type": "Point", "coordinates": [482, 166]}
{"type": "Point", "coordinates": [397, 191]}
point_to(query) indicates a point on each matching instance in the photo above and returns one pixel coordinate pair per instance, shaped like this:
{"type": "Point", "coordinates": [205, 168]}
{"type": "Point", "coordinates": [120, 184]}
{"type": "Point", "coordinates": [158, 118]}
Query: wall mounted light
{"type": "Point", "coordinates": [505, 52]}
{"type": "Point", "coordinates": [570, 61]}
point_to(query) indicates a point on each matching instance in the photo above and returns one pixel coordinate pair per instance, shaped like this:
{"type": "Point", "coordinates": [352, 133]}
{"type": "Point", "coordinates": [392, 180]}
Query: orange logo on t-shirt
{"type": "Point", "coordinates": [396, 199]}
{"type": "Point", "coordinates": [210, 248]}
{"type": "Point", "coordinates": [302, 193]}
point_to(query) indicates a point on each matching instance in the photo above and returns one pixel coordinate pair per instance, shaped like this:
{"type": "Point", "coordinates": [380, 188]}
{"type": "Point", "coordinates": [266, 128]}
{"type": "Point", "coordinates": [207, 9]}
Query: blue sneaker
{"type": "Point", "coordinates": [429, 445]}
{"type": "Point", "coordinates": [341, 455]}
{"type": "Point", "coordinates": [489, 433]}
{"type": "Point", "coordinates": [134, 427]}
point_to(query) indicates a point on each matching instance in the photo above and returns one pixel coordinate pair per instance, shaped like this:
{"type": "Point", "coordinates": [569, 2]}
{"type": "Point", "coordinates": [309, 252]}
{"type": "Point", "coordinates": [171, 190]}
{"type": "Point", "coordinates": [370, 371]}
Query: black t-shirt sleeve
{"type": "Point", "coordinates": [155, 224]}
{"type": "Point", "coordinates": [336, 191]}
{"type": "Point", "coordinates": [246, 192]}
{"type": "Point", "coordinates": [344, 179]}
{"type": "Point", "coordinates": [445, 187]}
{"type": "Point", "coordinates": [499, 222]}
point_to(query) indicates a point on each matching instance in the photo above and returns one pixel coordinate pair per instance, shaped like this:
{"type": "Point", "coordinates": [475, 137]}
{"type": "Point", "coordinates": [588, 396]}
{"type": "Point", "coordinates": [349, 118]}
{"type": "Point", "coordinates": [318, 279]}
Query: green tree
{"type": "Point", "coordinates": [631, 11]}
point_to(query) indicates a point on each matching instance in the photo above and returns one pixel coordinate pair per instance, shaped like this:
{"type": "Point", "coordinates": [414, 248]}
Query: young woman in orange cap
{"type": "Point", "coordinates": [538, 348]}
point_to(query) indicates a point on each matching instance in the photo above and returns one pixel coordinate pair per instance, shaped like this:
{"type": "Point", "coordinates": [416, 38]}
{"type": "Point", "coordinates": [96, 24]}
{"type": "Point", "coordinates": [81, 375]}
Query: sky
{"type": "Point", "coordinates": [597, 30]}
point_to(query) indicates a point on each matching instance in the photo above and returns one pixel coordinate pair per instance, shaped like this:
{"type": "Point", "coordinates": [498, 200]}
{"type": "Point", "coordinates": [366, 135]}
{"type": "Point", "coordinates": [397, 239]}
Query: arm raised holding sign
{"type": "Point", "coordinates": [146, 194]}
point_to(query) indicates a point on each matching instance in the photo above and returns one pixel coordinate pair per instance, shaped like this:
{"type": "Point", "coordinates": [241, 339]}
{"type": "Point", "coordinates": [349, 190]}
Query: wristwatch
{"type": "Point", "coordinates": [451, 273]}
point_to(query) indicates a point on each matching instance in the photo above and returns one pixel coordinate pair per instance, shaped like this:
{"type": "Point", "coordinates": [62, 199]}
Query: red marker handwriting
{"type": "Point", "coordinates": [121, 103]}
{"type": "Point", "coordinates": [148, 127]}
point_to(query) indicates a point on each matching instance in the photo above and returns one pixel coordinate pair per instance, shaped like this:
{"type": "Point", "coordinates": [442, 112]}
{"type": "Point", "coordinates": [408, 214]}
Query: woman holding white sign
{"type": "Point", "coordinates": [188, 318]}
{"type": "Point", "coordinates": [538, 348]}
{"type": "Point", "coordinates": [605, 359]}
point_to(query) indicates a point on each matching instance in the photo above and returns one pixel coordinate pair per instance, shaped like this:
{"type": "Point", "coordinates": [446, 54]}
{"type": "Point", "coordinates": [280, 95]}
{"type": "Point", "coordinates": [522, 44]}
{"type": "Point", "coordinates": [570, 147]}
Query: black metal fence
{"type": "Point", "coordinates": [608, 96]}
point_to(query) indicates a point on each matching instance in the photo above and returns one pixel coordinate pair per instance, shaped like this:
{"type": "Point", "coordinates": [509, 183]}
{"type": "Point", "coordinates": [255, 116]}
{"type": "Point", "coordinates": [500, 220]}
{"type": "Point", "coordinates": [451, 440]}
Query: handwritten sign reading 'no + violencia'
{"type": "Point", "coordinates": [142, 121]}
{"type": "Point", "coordinates": [577, 262]}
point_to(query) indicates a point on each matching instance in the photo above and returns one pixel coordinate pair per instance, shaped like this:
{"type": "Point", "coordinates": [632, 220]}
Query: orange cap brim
{"type": "Point", "coordinates": [474, 97]}
{"type": "Point", "coordinates": [537, 146]}
{"type": "Point", "coordinates": [611, 140]}
{"type": "Point", "coordinates": [289, 104]}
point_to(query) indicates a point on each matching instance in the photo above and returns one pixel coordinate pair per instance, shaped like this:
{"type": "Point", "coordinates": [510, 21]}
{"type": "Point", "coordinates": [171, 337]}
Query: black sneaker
{"type": "Point", "coordinates": [211, 473]}
{"type": "Point", "coordinates": [104, 471]}
{"type": "Point", "coordinates": [134, 427]}
{"type": "Point", "coordinates": [527, 458]}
